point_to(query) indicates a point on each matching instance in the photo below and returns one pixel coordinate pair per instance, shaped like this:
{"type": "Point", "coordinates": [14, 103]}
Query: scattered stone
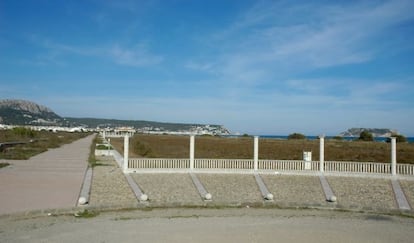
{"type": "Point", "coordinates": [109, 186]}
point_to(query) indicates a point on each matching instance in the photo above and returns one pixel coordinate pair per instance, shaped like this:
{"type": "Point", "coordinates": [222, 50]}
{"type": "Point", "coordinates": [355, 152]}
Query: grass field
{"type": "Point", "coordinates": [169, 146]}
{"type": "Point", "coordinates": [33, 142]}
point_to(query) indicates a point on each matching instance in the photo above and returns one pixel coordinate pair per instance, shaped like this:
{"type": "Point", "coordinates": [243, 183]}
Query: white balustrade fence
{"type": "Point", "coordinates": [256, 165]}
{"type": "Point", "coordinates": [237, 165]}
{"type": "Point", "coordinates": [148, 163]}
{"type": "Point", "coordinates": [358, 167]}
{"type": "Point", "coordinates": [116, 134]}
{"type": "Point", "coordinates": [405, 169]}
{"type": "Point", "coordinates": [290, 165]}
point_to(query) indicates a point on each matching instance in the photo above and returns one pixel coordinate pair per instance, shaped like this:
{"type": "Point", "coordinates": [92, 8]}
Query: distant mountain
{"type": "Point", "coordinates": [22, 112]}
{"type": "Point", "coordinates": [376, 132]}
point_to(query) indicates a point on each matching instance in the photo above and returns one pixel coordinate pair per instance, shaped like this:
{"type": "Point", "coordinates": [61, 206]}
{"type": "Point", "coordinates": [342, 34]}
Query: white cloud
{"type": "Point", "coordinates": [136, 56]}
{"type": "Point", "coordinates": [274, 39]}
{"type": "Point", "coordinates": [199, 66]}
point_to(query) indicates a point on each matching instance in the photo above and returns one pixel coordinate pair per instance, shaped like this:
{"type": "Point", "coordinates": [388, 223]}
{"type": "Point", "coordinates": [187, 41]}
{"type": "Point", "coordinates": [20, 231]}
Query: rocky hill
{"type": "Point", "coordinates": [376, 132]}
{"type": "Point", "coordinates": [22, 112]}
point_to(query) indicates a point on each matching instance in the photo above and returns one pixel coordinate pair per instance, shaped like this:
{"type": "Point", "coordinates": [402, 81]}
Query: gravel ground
{"type": "Point", "coordinates": [357, 192]}
{"type": "Point", "coordinates": [231, 189]}
{"type": "Point", "coordinates": [408, 188]}
{"type": "Point", "coordinates": [168, 189]}
{"type": "Point", "coordinates": [109, 186]}
{"type": "Point", "coordinates": [295, 190]}
{"type": "Point", "coordinates": [110, 189]}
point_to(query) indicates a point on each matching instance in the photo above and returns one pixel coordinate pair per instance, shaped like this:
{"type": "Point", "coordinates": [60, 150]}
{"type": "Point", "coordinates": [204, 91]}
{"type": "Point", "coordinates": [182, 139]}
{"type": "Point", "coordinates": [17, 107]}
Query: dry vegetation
{"type": "Point", "coordinates": [168, 146]}
{"type": "Point", "coordinates": [33, 142]}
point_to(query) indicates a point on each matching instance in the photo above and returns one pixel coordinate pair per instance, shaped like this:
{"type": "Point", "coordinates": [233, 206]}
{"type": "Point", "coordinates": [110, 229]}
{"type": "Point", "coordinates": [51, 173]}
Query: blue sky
{"type": "Point", "coordinates": [257, 67]}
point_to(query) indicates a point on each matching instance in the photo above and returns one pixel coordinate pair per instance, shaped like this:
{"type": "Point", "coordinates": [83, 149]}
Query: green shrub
{"type": "Point", "coordinates": [142, 149]}
{"type": "Point", "coordinates": [103, 147]}
{"type": "Point", "coordinates": [399, 138]}
{"type": "Point", "coordinates": [24, 132]}
{"type": "Point", "coordinates": [366, 136]}
{"type": "Point", "coordinates": [4, 165]}
{"type": "Point", "coordinates": [296, 136]}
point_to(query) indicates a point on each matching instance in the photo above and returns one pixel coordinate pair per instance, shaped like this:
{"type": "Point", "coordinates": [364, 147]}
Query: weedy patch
{"type": "Point", "coordinates": [86, 214]}
{"type": "Point", "coordinates": [4, 165]}
{"type": "Point", "coordinates": [183, 216]}
{"type": "Point", "coordinates": [124, 218]}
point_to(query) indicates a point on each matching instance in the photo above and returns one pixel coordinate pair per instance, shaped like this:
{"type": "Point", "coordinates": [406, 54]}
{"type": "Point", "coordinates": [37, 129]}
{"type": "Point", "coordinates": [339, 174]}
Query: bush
{"type": "Point", "coordinates": [296, 136]}
{"type": "Point", "coordinates": [142, 148]}
{"type": "Point", "coordinates": [366, 136]}
{"type": "Point", "coordinates": [4, 165]}
{"type": "Point", "coordinates": [24, 132]}
{"type": "Point", "coordinates": [399, 138]}
{"type": "Point", "coordinates": [103, 147]}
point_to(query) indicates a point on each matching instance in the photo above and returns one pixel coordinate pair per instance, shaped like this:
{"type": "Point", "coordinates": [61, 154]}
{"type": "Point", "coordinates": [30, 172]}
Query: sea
{"type": "Point", "coordinates": [377, 139]}
{"type": "Point", "coordinates": [282, 137]}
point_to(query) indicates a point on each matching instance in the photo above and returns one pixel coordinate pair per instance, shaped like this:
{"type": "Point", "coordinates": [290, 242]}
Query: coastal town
{"type": "Point", "coordinates": [194, 130]}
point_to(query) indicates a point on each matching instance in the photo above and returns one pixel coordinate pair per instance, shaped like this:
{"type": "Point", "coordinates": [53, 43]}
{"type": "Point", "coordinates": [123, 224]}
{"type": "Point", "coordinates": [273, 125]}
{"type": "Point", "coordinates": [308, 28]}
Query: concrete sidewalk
{"type": "Point", "coordinates": [52, 179]}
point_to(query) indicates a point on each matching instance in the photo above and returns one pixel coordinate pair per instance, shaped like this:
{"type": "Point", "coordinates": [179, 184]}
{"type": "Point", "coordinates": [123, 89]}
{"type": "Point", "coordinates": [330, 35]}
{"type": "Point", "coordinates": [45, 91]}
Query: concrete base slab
{"type": "Point", "coordinates": [399, 195]}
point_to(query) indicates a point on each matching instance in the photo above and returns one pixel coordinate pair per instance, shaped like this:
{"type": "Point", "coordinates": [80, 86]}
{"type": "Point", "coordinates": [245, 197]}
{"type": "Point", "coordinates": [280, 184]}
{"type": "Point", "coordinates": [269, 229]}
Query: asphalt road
{"type": "Point", "coordinates": [211, 225]}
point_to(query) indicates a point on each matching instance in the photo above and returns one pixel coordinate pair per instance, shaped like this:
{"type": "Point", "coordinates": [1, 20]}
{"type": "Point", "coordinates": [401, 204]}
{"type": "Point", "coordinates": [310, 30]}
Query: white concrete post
{"type": "Point", "coordinates": [256, 152]}
{"type": "Point", "coordinates": [321, 152]}
{"type": "Point", "coordinates": [126, 153]}
{"type": "Point", "coordinates": [393, 156]}
{"type": "Point", "coordinates": [192, 152]}
{"type": "Point", "coordinates": [109, 146]}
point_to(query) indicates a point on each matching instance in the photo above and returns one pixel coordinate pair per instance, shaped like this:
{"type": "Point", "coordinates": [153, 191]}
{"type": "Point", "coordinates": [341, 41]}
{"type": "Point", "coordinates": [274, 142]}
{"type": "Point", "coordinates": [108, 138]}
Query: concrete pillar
{"type": "Point", "coordinates": [126, 152]}
{"type": "Point", "coordinates": [109, 146]}
{"type": "Point", "coordinates": [321, 153]}
{"type": "Point", "coordinates": [192, 138]}
{"type": "Point", "coordinates": [393, 156]}
{"type": "Point", "coordinates": [256, 152]}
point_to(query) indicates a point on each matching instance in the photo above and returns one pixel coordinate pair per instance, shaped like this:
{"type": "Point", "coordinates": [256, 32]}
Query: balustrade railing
{"type": "Point", "coordinates": [150, 163]}
{"type": "Point", "coordinates": [268, 165]}
{"type": "Point", "coordinates": [294, 165]}
{"type": "Point", "coordinates": [405, 169]}
{"type": "Point", "coordinates": [240, 164]}
{"type": "Point", "coordinates": [357, 167]}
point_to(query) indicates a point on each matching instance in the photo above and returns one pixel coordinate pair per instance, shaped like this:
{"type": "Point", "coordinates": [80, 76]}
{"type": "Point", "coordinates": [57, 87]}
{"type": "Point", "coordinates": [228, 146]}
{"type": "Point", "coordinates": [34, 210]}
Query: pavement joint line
{"type": "Point", "coordinates": [399, 195]}
{"type": "Point", "coordinates": [326, 188]}
{"type": "Point", "coordinates": [201, 189]}
{"type": "Point", "coordinates": [263, 189]}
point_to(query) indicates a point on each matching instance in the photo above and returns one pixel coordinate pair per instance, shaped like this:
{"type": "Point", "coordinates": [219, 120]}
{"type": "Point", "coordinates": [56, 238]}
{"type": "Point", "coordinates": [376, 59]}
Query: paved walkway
{"type": "Point", "coordinates": [52, 179]}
